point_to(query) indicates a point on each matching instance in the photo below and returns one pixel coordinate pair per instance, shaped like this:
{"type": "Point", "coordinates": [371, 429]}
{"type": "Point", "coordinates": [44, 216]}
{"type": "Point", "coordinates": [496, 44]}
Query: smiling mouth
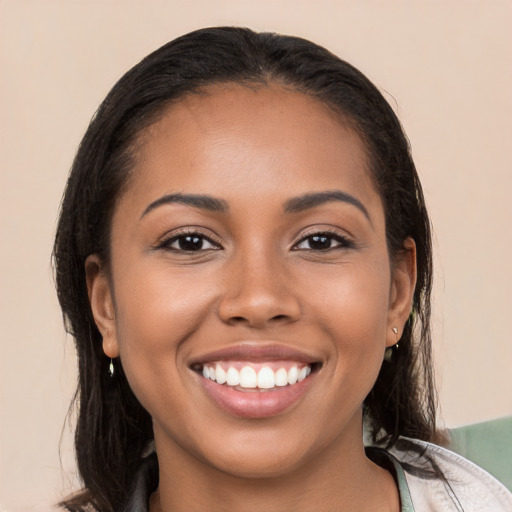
{"type": "Point", "coordinates": [248, 376]}
{"type": "Point", "coordinates": [256, 380]}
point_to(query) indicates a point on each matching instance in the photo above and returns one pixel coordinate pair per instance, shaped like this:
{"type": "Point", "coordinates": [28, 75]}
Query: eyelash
{"type": "Point", "coordinates": [342, 241]}
{"type": "Point", "coordinates": [168, 242]}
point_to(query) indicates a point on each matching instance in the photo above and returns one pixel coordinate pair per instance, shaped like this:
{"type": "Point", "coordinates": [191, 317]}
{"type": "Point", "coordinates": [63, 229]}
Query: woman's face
{"type": "Point", "coordinates": [250, 247]}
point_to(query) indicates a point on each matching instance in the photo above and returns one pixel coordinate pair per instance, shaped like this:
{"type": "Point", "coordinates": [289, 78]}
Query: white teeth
{"type": "Point", "coordinates": [293, 373]}
{"type": "Point", "coordinates": [220, 374]}
{"type": "Point", "coordinates": [266, 378]}
{"type": "Point", "coordinates": [247, 377]}
{"type": "Point", "coordinates": [233, 377]}
{"type": "Point", "coordinates": [281, 377]}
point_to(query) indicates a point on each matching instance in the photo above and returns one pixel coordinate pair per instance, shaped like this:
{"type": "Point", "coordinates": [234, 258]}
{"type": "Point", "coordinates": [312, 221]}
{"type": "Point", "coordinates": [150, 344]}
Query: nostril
{"type": "Point", "coordinates": [257, 310]}
{"type": "Point", "coordinates": [279, 317]}
{"type": "Point", "coordinates": [243, 320]}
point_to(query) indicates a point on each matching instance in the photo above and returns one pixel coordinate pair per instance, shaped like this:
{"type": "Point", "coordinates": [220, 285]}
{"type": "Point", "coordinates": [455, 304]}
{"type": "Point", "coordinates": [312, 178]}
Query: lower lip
{"type": "Point", "coordinates": [256, 403]}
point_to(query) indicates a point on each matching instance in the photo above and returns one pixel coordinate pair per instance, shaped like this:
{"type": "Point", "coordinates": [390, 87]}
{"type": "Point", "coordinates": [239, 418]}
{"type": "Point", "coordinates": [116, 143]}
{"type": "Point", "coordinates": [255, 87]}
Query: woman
{"type": "Point", "coordinates": [243, 257]}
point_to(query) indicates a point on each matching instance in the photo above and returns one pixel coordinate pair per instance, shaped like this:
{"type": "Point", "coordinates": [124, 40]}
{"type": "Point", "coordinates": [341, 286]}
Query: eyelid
{"type": "Point", "coordinates": [335, 233]}
{"type": "Point", "coordinates": [166, 240]}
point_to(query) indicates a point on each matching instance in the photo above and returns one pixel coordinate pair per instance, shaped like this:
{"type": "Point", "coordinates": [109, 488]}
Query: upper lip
{"type": "Point", "coordinates": [255, 352]}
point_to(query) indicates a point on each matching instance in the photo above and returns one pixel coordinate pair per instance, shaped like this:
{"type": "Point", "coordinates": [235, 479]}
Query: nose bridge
{"type": "Point", "coordinates": [257, 291]}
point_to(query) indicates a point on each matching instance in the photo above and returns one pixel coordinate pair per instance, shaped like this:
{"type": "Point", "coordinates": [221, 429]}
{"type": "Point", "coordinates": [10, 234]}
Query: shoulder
{"type": "Point", "coordinates": [465, 487]}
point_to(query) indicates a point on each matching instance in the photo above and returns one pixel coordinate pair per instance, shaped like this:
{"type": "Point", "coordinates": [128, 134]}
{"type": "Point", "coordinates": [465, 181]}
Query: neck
{"type": "Point", "coordinates": [339, 478]}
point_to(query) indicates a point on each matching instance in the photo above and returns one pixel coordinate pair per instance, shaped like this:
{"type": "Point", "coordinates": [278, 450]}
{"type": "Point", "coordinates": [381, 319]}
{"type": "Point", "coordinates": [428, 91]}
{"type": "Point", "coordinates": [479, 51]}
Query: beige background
{"type": "Point", "coordinates": [446, 67]}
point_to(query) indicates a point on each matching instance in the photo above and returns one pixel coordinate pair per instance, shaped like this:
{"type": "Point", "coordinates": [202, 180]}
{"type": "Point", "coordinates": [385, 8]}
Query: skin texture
{"type": "Point", "coordinates": [257, 281]}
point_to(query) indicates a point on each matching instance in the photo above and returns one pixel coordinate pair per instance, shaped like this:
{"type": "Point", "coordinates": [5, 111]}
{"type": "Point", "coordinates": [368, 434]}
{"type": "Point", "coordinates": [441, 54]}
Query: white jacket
{"type": "Point", "coordinates": [467, 488]}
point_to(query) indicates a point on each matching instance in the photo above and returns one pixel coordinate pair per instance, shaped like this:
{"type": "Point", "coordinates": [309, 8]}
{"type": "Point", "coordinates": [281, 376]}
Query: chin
{"type": "Point", "coordinates": [260, 465]}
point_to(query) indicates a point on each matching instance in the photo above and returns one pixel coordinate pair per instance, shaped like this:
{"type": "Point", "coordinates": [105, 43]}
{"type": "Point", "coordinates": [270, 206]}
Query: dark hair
{"type": "Point", "coordinates": [113, 429]}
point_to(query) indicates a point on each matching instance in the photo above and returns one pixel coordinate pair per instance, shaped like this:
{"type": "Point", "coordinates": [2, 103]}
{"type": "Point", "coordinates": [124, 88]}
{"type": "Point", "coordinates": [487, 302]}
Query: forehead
{"type": "Point", "coordinates": [231, 138]}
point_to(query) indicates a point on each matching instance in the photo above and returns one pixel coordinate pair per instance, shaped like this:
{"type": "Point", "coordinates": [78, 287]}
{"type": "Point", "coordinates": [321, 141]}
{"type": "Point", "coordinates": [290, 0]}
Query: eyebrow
{"type": "Point", "coordinates": [293, 205]}
{"type": "Point", "coordinates": [204, 202]}
{"type": "Point", "coordinates": [307, 201]}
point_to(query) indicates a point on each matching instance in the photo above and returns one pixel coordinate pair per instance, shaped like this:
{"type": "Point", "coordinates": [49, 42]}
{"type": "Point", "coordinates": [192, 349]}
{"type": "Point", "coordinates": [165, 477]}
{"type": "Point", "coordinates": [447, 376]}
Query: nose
{"type": "Point", "coordinates": [258, 293]}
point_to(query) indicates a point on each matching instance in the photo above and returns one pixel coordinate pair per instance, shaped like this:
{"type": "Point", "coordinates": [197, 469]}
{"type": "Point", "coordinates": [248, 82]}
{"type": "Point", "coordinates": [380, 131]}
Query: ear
{"type": "Point", "coordinates": [102, 304]}
{"type": "Point", "coordinates": [403, 283]}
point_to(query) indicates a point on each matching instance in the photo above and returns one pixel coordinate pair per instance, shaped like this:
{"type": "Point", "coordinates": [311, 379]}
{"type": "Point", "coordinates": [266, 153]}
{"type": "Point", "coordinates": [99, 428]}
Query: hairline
{"type": "Point", "coordinates": [133, 148]}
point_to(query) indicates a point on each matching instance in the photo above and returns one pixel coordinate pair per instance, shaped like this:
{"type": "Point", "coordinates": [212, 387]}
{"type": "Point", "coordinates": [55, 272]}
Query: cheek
{"type": "Point", "coordinates": [354, 296]}
{"type": "Point", "coordinates": [156, 311]}
{"type": "Point", "coordinates": [156, 305]}
{"type": "Point", "coordinates": [352, 306]}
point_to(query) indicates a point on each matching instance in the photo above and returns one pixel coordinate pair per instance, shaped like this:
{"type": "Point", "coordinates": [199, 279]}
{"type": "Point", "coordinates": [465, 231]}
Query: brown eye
{"type": "Point", "coordinates": [323, 242]}
{"type": "Point", "coordinates": [192, 242]}
{"type": "Point", "coordinates": [320, 242]}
